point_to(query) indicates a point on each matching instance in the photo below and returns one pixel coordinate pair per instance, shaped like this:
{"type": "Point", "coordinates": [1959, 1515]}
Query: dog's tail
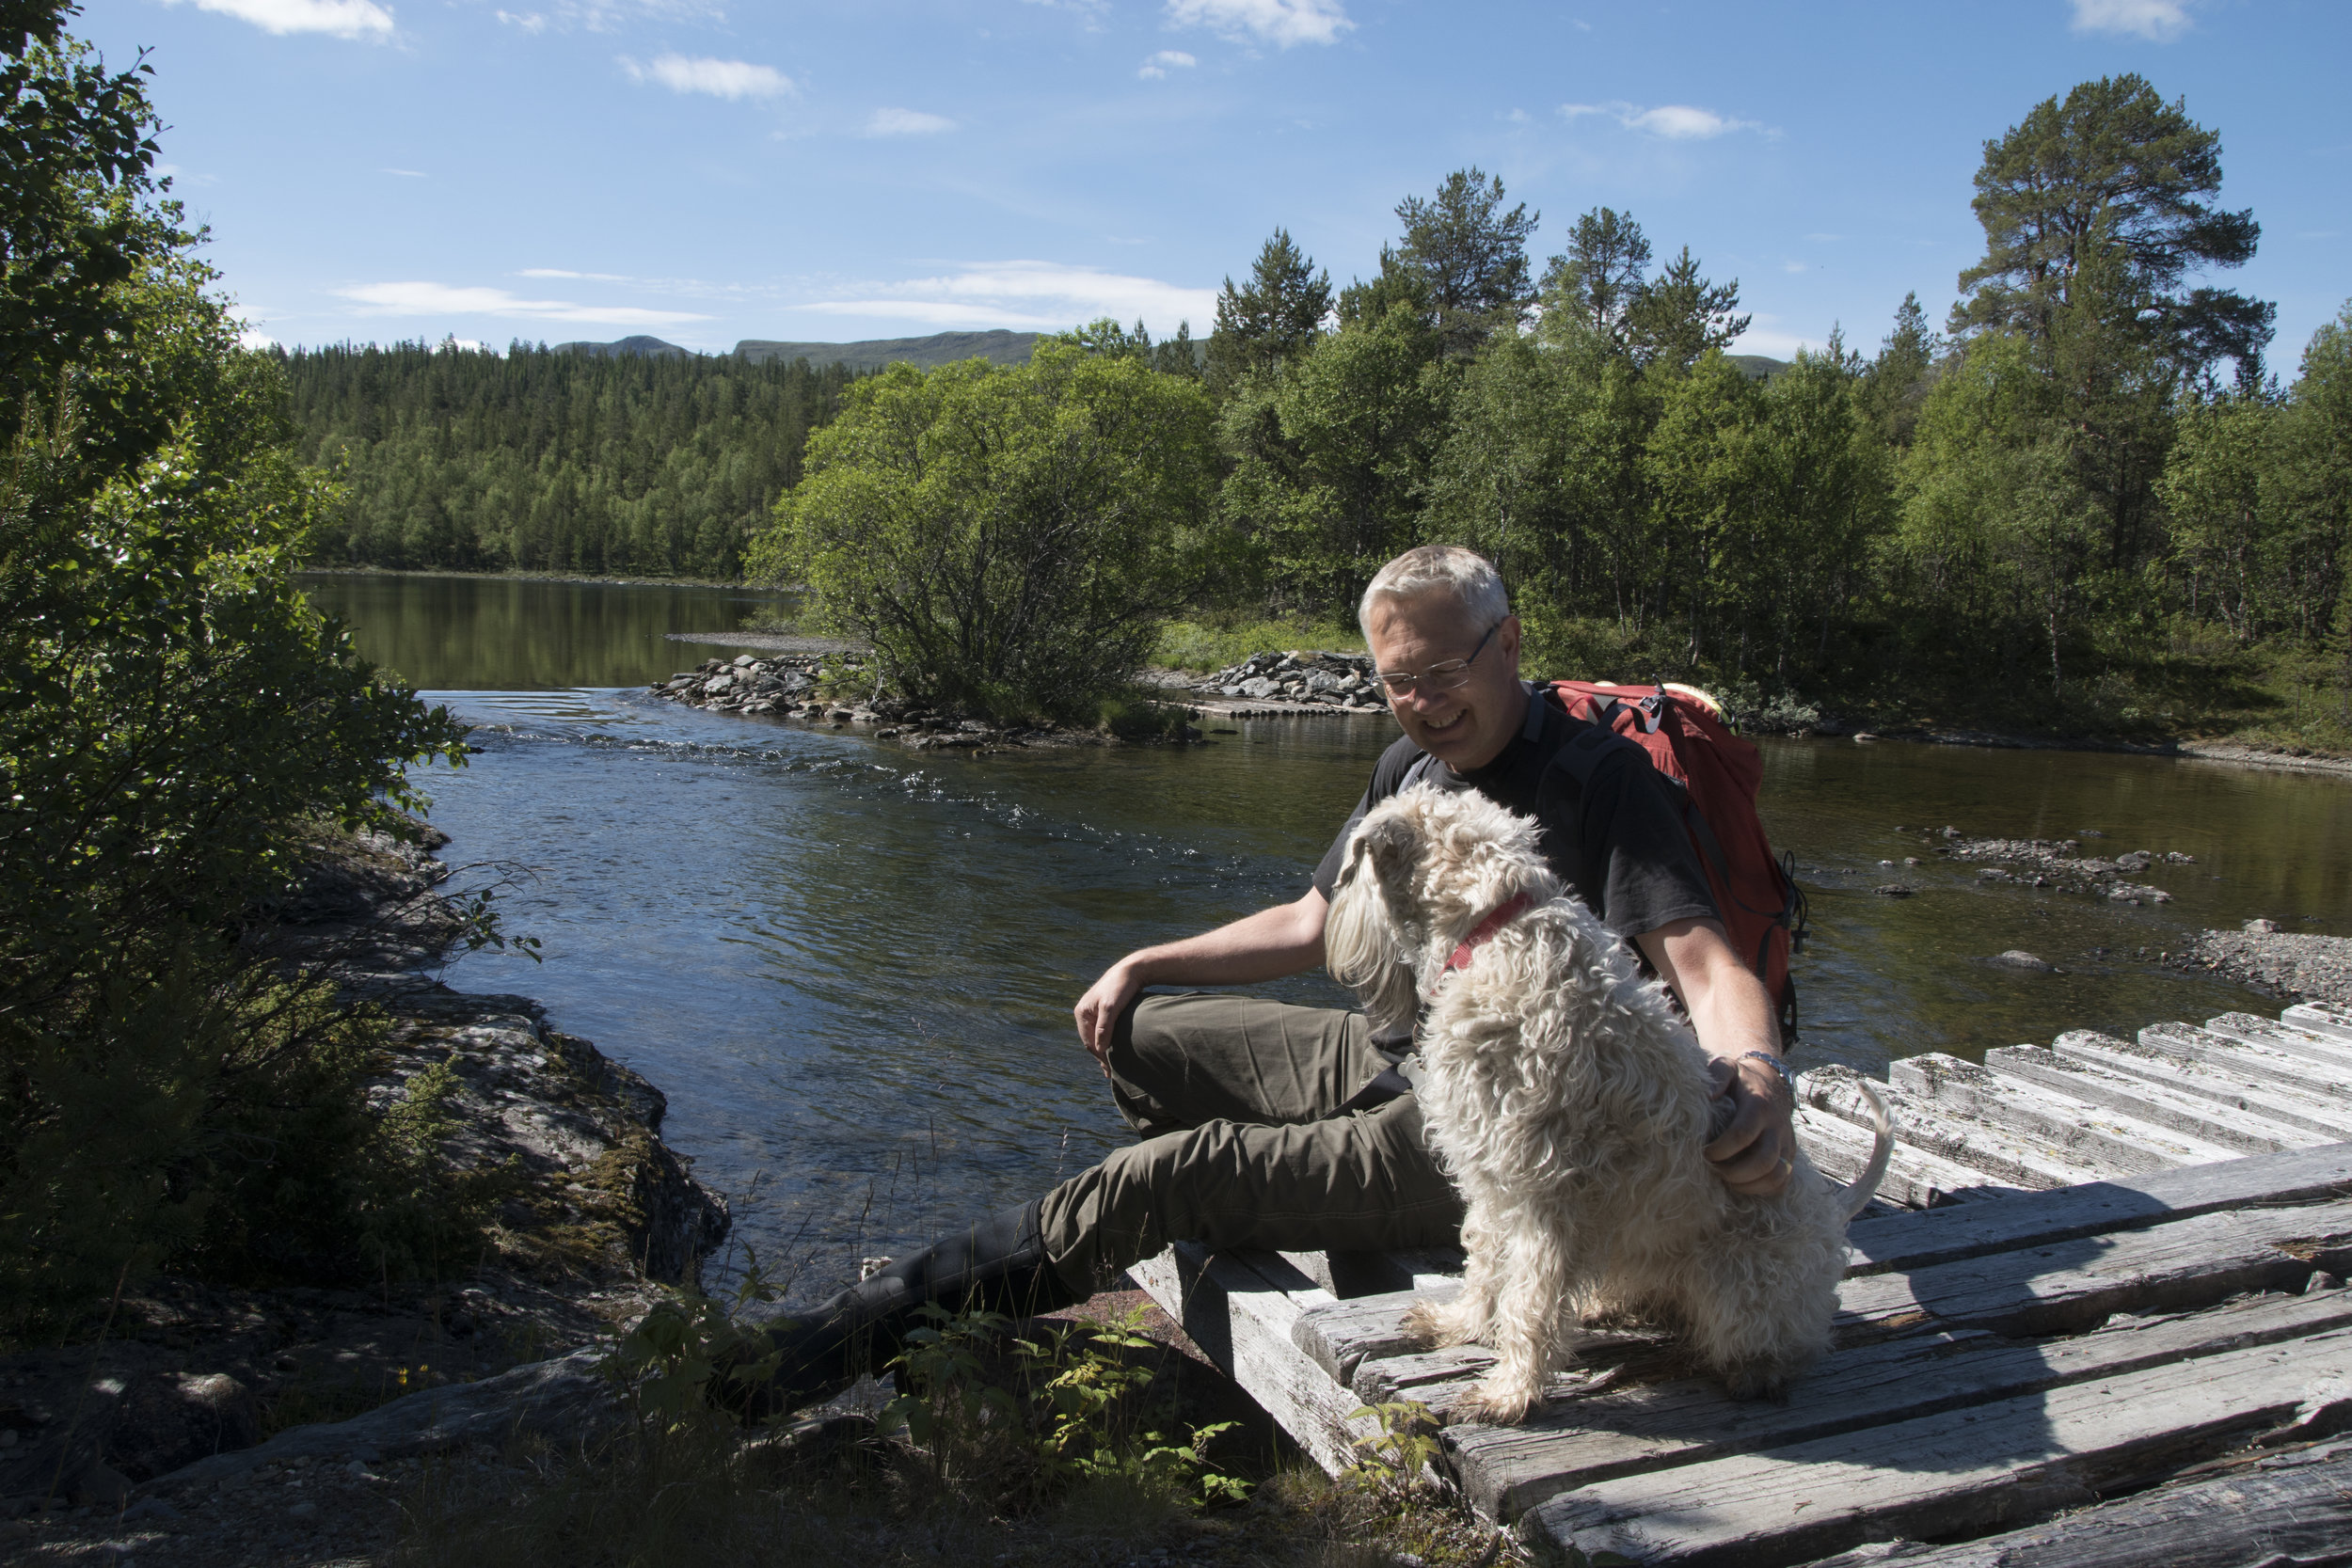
{"type": "Point", "coordinates": [1866, 1187]}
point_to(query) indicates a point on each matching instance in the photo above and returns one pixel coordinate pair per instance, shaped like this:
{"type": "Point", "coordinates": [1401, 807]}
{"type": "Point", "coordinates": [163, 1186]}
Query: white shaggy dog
{"type": "Point", "coordinates": [1571, 1104]}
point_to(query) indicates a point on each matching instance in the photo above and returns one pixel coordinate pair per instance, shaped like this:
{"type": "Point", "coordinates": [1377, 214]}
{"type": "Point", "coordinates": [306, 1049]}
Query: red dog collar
{"type": "Point", "coordinates": [1485, 930]}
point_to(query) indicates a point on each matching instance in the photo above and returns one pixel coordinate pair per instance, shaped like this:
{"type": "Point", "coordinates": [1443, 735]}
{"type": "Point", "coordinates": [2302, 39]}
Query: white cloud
{"type": "Point", "coordinates": [1165, 61]}
{"type": "Point", "coordinates": [906, 122]}
{"type": "Point", "coordinates": [1277, 22]}
{"type": "Point", "coordinates": [440, 299]}
{"type": "Point", "coordinates": [2160, 19]}
{"type": "Point", "coordinates": [1794, 266]}
{"type": "Point", "coordinates": [565, 272]}
{"type": "Point", "coordinates": [253, 337]}
{"type": "Point", "coordinates": [406, 173]}
{"type": "Point", "coordinates": [347, 19]}
{"type": "Point", "coordinates": [1041, 296]}
{"type": "Point", "coordinates": [1673, 122]}
{"type": "Point", "coordinates": [530, 21]}
{"type": "Point", "coordinates": [719, 78]}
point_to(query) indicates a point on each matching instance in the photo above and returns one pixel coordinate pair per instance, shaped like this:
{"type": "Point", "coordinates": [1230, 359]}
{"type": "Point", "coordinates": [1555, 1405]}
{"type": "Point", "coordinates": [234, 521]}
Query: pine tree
{"type": "Point", "coordinates": [1274, 318]}
{"type": "Point", "coordinates": [1472, 256]}
{"type": "Point", "coordinates": [1595, 282]}
{"type": "Point", "coordinates": [1679, 316]}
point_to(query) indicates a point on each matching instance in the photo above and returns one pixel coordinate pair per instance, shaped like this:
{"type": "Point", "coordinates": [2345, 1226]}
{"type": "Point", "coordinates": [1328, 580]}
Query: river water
{"type": "Point", "coordinates": [850, 966]}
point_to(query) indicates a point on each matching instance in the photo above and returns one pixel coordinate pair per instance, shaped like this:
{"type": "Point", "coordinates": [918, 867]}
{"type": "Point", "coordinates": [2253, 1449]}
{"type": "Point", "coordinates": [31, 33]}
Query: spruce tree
{"type": "Point", "coordinates": [1271, 319]}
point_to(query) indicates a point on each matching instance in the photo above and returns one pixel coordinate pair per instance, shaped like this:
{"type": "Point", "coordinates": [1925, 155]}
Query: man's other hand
{"type": "Point", "coordinates": [1755, 1153]}
{"type": "Point", "coordinates": [1098, 1010]}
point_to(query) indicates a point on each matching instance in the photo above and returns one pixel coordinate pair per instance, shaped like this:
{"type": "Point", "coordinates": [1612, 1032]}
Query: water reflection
{"type": "Point", "coordinates": [850, 965]}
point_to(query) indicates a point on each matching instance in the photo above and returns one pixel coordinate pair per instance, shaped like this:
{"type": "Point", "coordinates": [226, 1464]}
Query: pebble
{"type": "Point", "coordinates": [2017, 958]}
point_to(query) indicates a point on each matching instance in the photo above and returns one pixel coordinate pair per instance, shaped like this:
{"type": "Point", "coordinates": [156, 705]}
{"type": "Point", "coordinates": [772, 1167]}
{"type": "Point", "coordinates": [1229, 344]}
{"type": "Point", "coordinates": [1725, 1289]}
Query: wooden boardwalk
{"type": "Point", "coordinates": [2108, 1327]}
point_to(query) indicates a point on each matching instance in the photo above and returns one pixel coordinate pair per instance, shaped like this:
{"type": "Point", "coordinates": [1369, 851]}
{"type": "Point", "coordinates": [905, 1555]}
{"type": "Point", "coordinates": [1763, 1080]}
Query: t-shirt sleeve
{"type": "Point", "coordinates": [1637, 853]}
{"type": "Point", "coordinates": [1387, 776]}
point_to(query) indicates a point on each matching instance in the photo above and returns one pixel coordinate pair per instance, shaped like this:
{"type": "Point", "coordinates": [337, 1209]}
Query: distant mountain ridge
{"type": "Point", "coordinates": [941, 348]}
{"type": "Point", "coordinates": [870, 353]}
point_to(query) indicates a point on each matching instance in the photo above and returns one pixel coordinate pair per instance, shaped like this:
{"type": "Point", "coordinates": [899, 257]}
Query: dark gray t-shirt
{"type": "Point", "coordinates": [1619, 844]}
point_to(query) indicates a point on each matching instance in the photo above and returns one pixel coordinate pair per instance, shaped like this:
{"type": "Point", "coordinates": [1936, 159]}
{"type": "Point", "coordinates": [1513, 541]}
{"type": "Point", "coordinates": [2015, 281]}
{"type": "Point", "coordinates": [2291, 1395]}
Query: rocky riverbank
{"type": "Point", "coordinates": [595, 1214]}
{"type": "Point", "coordinates": [2295, 966]}
{"type": "Point", "coordinates": [811, 687]}
{"type": "Point", "coordinates": [1300, 677]}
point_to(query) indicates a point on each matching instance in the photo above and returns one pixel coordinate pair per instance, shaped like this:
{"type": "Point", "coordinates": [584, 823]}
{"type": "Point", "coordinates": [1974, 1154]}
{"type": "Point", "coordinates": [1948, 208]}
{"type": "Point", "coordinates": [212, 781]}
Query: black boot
{"type": "Point", "coordinates": [997, 1265]}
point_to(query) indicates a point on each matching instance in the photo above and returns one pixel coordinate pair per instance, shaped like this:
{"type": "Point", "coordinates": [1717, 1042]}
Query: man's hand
{"type": "Point", "coordinates": [1732, 1015]}
{"type": "Point", "coordinates": [1755, 1154]}
{"type": "Point", "coordinates": [1263, 946]}
{"type": "Point", "coordinates": [1098, 1010]}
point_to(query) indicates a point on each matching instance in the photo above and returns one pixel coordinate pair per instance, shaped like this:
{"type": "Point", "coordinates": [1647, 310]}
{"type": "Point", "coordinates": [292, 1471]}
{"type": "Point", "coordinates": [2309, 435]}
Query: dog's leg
{"type": "Point", "coordinates": [1528, 1325]}
{"type": "Point", "coordinates": [1757, 1308]}
{"type": "Point", "coordinates": [1466, 1317]}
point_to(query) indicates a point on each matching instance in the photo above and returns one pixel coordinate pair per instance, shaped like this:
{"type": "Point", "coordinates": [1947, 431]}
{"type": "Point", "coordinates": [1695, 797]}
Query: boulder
{"type": "Point", "coordinates": [2017, 958]}
{"type": "Point", "coordinates": [168, 1419]}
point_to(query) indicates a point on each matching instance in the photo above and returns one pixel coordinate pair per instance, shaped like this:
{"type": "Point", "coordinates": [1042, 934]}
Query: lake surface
{"type": "Point", "coordinates": [850, 966]}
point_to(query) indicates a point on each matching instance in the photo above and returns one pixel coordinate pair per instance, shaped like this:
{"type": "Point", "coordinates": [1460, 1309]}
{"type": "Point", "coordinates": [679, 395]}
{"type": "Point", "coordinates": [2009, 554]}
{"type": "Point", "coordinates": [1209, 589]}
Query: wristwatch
{"type": "Point", "coordinates": [1780, 1069]}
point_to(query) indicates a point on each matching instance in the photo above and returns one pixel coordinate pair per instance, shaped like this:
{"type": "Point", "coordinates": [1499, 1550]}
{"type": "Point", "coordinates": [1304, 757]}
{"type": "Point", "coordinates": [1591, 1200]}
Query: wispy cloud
{"type": "Point", "coordinates": [1277, 22]}
{"type": "Point", "coordinates": [1165, 61]}
{"type": "Point", "coordinates": [565, 272]}
{"type": "Point", "coordinates": [530, 21]}
{"type": "Point", "coordinates": [906, 122]}
{"type": "Point", "coordinates": [347, 19]}
{"type": "Point", "coordinates": [441, 299]}
{"type": "Point", "coordinates": [1673, 122]}
{"type": "Point", "coordinates": [719, 78]}
{"type": "Point", "coordinates": [1023, 295]}
{"type": "Point", "coordinates": [406, 173]}
{"type": "Point", "coordinates": [2159, 20]}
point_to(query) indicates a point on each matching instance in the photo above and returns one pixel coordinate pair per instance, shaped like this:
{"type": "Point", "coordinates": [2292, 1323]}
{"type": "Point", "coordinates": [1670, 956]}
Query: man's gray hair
{"type": "Point", "coordinates": [1470, 576]}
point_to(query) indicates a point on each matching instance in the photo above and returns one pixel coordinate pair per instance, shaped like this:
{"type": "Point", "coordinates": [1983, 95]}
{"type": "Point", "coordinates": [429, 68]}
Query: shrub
{"type": "Point", "coordinates": [1008, 539]}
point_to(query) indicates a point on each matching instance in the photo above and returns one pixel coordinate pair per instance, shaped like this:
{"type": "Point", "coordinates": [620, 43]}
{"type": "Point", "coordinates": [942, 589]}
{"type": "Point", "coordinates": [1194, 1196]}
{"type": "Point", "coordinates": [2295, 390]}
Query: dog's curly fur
{"type": "Point", "coordinates": [1571, 1104]}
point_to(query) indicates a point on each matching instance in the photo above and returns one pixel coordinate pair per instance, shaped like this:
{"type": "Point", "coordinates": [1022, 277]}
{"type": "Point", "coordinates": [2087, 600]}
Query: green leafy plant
{"type": "Point", "coordinates": [1397, 1456]}
{"type": "Point", "coordinates": [694, 1360]}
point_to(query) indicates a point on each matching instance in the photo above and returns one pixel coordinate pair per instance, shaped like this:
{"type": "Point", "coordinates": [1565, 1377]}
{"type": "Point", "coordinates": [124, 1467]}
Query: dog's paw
{"type": "Point", "coordinates": [1431, 1325]}
{"type": "Point", "coordinates": [1493, 1402]}
{"type": "Point", "coordinates": [1759, 1381]}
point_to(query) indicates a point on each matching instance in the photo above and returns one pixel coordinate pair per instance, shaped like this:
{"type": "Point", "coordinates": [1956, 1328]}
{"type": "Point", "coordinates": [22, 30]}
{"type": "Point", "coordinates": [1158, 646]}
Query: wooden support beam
{"type": "Point", "coordinates": [1240, 1309]}
{"type": "Point", "coordinates": [2255, 1059]}
{"type": "Point", "coordinates": [2320, 1018]}
{"type": "Point", "coordinates": [1957, 1472]}
{"type": "Point", "coordinates": [1979, 1145]}
{"type": "Point", "coordinates": [2029, 1069]}
{"type": "Point", "coordinates": [2084, 1130]}
{"type": "Point", "coordinates": [2217, 1070]}
{"type": "Point", "coordinates": [1915, 1178]}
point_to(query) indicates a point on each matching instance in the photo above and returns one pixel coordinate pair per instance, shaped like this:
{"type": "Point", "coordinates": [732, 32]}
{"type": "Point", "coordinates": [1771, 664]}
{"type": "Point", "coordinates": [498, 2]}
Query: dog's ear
{"type": "Point", "coordinates": [1362, 947]}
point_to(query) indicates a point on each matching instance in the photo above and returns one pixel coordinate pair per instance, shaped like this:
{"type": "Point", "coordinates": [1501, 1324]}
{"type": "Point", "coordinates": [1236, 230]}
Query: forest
{"type": "Point", "coordinates": [2087, 500]}
{"type": "Point", "coordinates": [547, 460]}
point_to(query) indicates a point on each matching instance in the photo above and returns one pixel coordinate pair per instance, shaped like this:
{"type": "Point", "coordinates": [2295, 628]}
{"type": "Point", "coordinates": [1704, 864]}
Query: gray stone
{"type": "Point", "coordinates": [2017, 958]}
{"type": "Point", "coordinates": [2261, 927]}
{"type": "Point", "coordinates": [1258, 686]}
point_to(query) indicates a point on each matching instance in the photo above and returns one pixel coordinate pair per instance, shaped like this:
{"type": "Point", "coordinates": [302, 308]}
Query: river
{"type": "Point", "coordinates": [850, 966]}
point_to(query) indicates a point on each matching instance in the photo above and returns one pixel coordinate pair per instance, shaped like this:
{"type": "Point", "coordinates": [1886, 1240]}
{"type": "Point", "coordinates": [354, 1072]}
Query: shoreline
{"type": "Point", "coordinates": [191, 1387]}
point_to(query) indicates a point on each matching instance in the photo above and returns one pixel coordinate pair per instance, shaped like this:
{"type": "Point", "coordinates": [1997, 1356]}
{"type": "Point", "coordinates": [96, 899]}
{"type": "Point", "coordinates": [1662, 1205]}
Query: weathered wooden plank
{"type": "Point", "coordinates": [2219, 1070]}
{"type": "Point", "coordinates": [2066, 1286]}
{"type": "Point", "coordinates": [2086, 1132]}
{"type": "Point", "coordinates": [2290, 1509]}
{"type": "Point", "coordinates": [2333, 1056]}
{"type": "Point", "coordinates": [2030, 1069]}
{"type": "Point", "coordinates": [1915, 1178]}
{"type": "Point", "coordinates": [1976, 1143]}
{"type": "Point", "coordinates": [1347, 1275]}
{"type": "Point", "coordinates": [1582, 1438]}
{"type": "Point", "coordinates": [1953, 1473]}
{"type": "Point", "coordinates": [2040, 1219]}
{"type": "Point", "coordinates": [1240, 1309]}
{"type": "Point", "coordinates": [2255, 1058]}
{"type": "Point", "coordinates": [2320, 1018]}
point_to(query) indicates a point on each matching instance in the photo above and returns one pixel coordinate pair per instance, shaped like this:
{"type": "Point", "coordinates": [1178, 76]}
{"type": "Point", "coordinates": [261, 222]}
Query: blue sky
{"type": "Point", "coordinates": [709, 171]}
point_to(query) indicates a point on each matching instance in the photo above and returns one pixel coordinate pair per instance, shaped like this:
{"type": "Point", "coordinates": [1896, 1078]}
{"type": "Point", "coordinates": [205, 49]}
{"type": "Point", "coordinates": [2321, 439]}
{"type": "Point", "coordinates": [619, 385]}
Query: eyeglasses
{"type": "Point", "coordinates": [1449, 676]}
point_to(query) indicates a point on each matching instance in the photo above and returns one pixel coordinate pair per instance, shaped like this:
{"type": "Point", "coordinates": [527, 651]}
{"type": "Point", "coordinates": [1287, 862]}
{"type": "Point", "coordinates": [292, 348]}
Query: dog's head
{"type": "Point", "coordinates": [1422, 868]}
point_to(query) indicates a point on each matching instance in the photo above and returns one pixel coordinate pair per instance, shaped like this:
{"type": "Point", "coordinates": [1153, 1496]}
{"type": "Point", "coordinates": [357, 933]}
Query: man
{"type": "Point", "coordinates": [1272, 1126]}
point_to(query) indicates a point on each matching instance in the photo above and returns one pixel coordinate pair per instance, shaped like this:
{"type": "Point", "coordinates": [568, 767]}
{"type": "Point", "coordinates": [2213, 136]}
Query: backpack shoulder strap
{"type": "Point", "coordinates": [1581, 755]}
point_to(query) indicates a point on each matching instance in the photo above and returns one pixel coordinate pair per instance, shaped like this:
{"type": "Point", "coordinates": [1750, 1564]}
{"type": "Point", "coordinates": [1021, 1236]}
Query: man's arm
{"type": "Point", "coordinates": [1733, 1015]}
{"type": "Point", "coordinates": [1267, 945]}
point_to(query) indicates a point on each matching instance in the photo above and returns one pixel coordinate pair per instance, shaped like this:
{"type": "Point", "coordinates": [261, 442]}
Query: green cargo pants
{"type": "Point", "coordinates": [1248, 1142]}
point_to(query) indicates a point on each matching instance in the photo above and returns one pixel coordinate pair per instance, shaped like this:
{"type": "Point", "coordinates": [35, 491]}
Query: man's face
{"type": "Point", "coordinates": [1469, 727]}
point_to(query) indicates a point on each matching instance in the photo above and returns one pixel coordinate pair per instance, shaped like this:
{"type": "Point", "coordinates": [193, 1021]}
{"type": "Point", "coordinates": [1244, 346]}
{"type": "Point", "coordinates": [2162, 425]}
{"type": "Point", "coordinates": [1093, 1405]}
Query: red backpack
{"type": "Point", "coordinates": [1716, 774]}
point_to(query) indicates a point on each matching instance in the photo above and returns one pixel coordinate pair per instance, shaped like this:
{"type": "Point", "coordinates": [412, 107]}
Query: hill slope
{"type": "Point", "coordinates": [639, 344]}
{"type": "Point", "coordinates": [872, 354]}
